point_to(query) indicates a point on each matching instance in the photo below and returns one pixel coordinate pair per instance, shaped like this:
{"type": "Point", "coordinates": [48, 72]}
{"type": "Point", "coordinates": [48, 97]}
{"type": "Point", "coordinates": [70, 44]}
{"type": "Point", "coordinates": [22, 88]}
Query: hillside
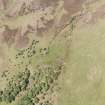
{"type": "Point", "coordinates": [52, 52]}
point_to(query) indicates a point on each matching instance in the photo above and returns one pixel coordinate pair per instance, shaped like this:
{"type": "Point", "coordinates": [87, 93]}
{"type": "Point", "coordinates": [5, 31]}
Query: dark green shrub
{"type": "Point", "coordinates": [47, 103]}
{"type": "Point", "coordinates": [1, 93]}
{"type": "Point", "coordinates": [49, 80]}
{"type": "Point", "coordinates": [15, 86]}
{"type": "Point", "coordinates": [45, 86]}
{"type": "Point", "coordinates": [31, 94]}
{"type": "Point", "coordinates": [36, 100]}
{"type": "Point", "coordinates": [26, 101]}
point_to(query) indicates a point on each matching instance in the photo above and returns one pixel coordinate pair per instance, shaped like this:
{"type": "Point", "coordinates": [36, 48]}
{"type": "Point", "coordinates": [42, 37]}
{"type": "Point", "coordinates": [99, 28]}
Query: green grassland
{"type": "Point", "coordinates": [83, 82]}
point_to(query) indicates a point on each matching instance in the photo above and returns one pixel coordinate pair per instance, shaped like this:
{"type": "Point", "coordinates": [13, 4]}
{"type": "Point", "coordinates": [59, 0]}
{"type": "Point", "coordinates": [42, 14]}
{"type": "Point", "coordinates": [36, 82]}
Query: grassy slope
{"type": "Point", "coordinates": [57, 50]}
{"type": "Point", "coordinates": [83, 83]}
